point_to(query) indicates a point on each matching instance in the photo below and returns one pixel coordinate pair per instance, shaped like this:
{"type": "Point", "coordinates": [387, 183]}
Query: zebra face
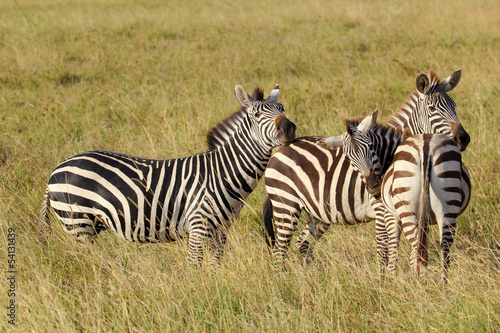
{"type": "Point", "coordinates": [269, 123]}
{"type": "Point", "coordinates": [437, 109]}
{"type": "Point", "coordinates": [359, 149]}
{"type": "Point", "coordinates": [358, 145]}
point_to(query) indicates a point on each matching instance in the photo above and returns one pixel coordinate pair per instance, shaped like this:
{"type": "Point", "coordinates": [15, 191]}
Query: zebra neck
{"type": "Point", "coordinates": [240, 163]}
{"type": "Point", "coordinates": [388, 141]}
{"type": "Point", "coordinates": [407, 115]}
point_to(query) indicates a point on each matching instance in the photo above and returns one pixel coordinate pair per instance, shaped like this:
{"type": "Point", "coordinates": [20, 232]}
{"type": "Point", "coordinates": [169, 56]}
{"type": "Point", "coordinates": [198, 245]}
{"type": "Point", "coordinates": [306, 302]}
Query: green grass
{"type": "Point", "coordinates": [150, 79]}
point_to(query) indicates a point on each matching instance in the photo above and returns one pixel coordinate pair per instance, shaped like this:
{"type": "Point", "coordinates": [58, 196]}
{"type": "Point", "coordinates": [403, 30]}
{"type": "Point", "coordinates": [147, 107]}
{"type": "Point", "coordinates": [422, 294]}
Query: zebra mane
{"type": "Point", "coordinates": [381, 128]}
{"type": "Point", "coordinates": [401, 113]}
{"type": "Point", "coordinates": [223, 131]}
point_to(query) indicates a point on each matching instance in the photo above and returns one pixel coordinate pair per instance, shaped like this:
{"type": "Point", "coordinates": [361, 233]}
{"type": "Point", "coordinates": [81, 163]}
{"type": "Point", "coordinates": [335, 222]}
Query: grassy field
{"type": "Point", "coordinates": [150, 78]}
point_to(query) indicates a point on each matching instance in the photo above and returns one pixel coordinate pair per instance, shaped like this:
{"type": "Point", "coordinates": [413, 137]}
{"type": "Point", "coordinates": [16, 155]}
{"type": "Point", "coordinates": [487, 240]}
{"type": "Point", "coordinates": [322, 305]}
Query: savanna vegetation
{"type": "Point", "coordinates": [150, 78]}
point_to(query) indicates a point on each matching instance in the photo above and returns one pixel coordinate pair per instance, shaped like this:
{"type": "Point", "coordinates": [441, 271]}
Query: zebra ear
{"type": "Point", "coordinates": [366, 124]}
{"type": "Point", "coordinates": [273, 96]}
{"type": "Point", "coordinates": [332, 142]}
{"type": "Point", "coordinates": [451, 81]}
{"type": "Point", "coordinates": [242, 96]}
{"type": "Point", "coordinates": [422, 83]}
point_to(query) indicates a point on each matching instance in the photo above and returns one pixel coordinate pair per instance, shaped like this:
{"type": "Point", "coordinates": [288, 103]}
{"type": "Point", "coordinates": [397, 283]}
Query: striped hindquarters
{"type": "Point", "coordinates": [139, 199]}
{"type": "Point", "coordinates": [426, 180]}
{"type": "Point", "coordinates": [448, 177]}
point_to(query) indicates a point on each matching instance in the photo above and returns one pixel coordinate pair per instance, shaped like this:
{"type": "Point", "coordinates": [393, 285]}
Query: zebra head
{"type": "Point", "coordinates": [436, 110]}
{"type": "Point", "coordinates": [269, 124]}
{"type": "Point", "coordinates": [358, 143]}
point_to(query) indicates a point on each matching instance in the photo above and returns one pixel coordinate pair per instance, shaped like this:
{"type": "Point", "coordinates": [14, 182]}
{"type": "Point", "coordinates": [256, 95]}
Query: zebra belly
{"type": "Point", "coordinates": [73, 210]}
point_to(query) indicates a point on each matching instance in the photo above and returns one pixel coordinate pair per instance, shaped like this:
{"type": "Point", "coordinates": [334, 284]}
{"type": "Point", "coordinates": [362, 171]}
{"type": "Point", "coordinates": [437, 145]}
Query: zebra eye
{"type": "Point", "coordinates": [432, 108]}
{"type": "Point", "coordinates": [257, 114]}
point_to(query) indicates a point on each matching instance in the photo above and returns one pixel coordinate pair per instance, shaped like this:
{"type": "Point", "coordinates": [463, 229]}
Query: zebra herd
{"type": "Point", "coordinates": [348, 179]}
{"type": "Point", "coordinates": [422, 175]}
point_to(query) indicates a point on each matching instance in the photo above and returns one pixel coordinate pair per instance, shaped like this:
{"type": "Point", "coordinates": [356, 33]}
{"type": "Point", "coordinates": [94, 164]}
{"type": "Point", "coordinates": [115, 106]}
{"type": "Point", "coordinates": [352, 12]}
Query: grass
{"type": "Point", "coordinates": [150, 79]}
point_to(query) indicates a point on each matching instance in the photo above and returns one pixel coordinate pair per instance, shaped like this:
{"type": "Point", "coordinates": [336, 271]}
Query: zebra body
{"type": "Point", "coordinates": [154, 206]}
{"type": "Point", "coordinates": [149, 200]}
{"type": "Point", "coordinates": [423, 182]}
{"type": "Point", "coordinates": [306, 176]}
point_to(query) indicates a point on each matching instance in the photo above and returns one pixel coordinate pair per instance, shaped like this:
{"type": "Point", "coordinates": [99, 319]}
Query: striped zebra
{"type": "Point", "coordinates": [306, 176]}
{"type": "Point", "coordinates": [423, 182]}
{"type": "Point", "coordinates": [149, 200]}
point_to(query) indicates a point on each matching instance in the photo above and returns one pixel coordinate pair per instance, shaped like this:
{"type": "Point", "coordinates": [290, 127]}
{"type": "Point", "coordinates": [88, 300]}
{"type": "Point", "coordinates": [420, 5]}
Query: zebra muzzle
{"type": "Point", "coordinates": [460, 136]}
{"type": "Point", "coordinates": [373, 185]}
{"type": "Point", "coordinates": [286, 131]}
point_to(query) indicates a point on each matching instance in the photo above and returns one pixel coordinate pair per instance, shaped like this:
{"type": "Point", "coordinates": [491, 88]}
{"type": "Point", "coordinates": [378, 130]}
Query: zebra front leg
{"type": "Point", "coordinates": [382, 244]}
{"type": "Point", "coordinates": [381, 233]}
{"type": "Point", "coordinates": [198, 234]}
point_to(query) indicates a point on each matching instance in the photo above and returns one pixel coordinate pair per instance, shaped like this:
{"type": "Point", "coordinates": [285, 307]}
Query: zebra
{"type": "Point", "coordinates": [151, 200]}
{"type": "Point", "coordinates": [306, 176]}
{"type": "Point", "coordinates": [423, 182]}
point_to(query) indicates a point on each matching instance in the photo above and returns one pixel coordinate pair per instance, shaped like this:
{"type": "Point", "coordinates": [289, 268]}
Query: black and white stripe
{"type": "Point", "coordinates": [148, 200]}
{"type": "Point", "coordinates": [423, 182]}
{"type": "Point", "coordinates": [307, 176]}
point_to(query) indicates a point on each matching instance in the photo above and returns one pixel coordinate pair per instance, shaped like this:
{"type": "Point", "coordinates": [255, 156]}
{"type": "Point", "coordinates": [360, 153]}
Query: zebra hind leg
{"type": "Point", "coordinates": [418, 255]}
{"type": "Point", "coordinates": [83, 226]}
{"type": "Point", "coordinates": [315, 229]}
{"type": "Point", "coordinates": [447, 237]}
{"type": "Point", "coordinates": [195, 251]}
{"type": "Point", "coordinates": [393, 230]}
{"type": "Point", "coordinates": [285, 227]}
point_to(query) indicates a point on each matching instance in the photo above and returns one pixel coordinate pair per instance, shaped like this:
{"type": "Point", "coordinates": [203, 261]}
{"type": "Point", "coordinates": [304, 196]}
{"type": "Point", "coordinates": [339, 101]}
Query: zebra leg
{"type": "Point", "coordinates": [411, 231]}
{"type": "Point", "coordinates": [81, 225]}
{"type": "Point", "coordinates": [217, 243]}
{"type": "Point", "coordinates": [448, 228]}
{"type": "Point", "coordinates": [285, 226]}
{"type": "Point", "coordinates": [198, 235]}
{"type": "Point", "coordinates": [315, 229]}
{"type": "Point", "coordinates": [393, 230]}
{"type": "Point", "coordinates": [381, 232]}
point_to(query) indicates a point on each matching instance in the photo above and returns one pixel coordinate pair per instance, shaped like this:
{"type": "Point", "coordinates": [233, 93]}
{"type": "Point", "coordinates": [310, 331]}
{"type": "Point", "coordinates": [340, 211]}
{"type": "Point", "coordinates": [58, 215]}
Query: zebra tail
{"type": "Point", "coordinates": [424, 213]}
{"type": "Point", "coordinates": [267, 220]}
{"type": "Point", "coordinates": [44, 218]}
